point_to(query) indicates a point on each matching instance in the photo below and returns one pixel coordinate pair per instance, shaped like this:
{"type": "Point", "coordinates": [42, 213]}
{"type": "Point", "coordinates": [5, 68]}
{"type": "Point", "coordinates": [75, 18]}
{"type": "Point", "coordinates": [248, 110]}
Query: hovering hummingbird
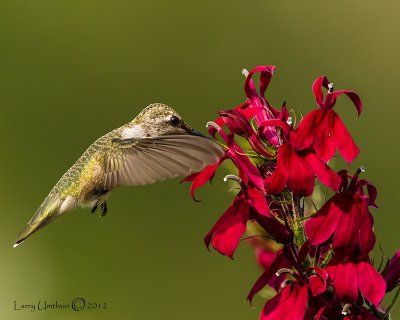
{"type": "Point", "coordinates": [155, 146]}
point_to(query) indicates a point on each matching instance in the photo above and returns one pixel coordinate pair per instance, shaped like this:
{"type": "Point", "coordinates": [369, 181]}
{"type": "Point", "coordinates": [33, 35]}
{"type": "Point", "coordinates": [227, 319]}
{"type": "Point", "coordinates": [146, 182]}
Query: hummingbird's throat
{"type": "Point", "coordinates": [134, 132]}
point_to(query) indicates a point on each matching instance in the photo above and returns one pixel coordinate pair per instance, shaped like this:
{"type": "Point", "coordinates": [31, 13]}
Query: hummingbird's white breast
{"type": "Point", "coordinates": [135, 131]}
{"type": "Point", "coordinates": [68, 204]}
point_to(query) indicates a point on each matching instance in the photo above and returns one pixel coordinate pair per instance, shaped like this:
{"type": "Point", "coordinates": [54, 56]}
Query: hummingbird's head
{"type": "Point", "coordinates": [159, 119]}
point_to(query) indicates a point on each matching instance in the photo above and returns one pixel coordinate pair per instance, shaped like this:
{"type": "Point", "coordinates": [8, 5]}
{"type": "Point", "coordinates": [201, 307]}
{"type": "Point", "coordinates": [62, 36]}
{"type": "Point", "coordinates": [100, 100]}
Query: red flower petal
{"type": "Point", "coordinates": [243, 163]}
{"type": "Point", "coordinates": [211, 130]}
{"type": "Point", "coordinates": [274, 228]}
{"type": "Point", "coordinates": [372, 194]}
{"type": "Point", "coordinates": [303, 136]}
{"type": "Point", "coordinates": [272, 305]}
{"type": "Point", "coordinates": [248, 169]}
{"type": "Point", "coordinates": [318, 282]}
{"type": "Point", "coordinates": [324, 143]}
{"type": "Point", "coordinates": [250, 112]}
{"type": "Point", "coordinates": [367, 237]}
{"type": "Point", "coordinates": [265, 77]}
{"type": "Point", "coordinates": [347, 236]}
{"type": "Point", "coordinates": [391, 273]}
{"type": "Point", "coordinates": [320, 312]}
{"type": "Point", "coordinates": [268, 134]}
{"type": "Point", "coordinates": [354, 97]}
{"type": "Point", "coordinates": [321, 227]}
{"type": "Point", "coordinates": [202, 177]}
{"type": "Point", "coordinates": [317, 286]}
{"type": "Point", "coordinates": [290, 304]}
{"type": "Point", "coordinates": [301, 176]}
{"type": "Point", "coordinates": [322, 273]}
{"type": "Point", "coordinates": [257, 202]}
{"type": "Point", "coordinates": [226, 233]}
{"type": "Point", "coordinates": [220, 222]}
{"type": "Point", "coordinates": [258, 100]}
{"type": "Point", "coordinates": [345, 282]}
{"type": "Point", "coordinates": [303, 252]}
{"type": "Point", "coordinates": [277, 181]}
{"type": "Point", "coordinates": [276, 123]}
{"type": "Point", "coordinates": [344, 141]}
{"type": "Point", "coordinates": [284, 113]}
{"type": "Point", "coordinates": [331, 269]}
{"type": "Point", "coordinates": [261, 282]}
{"type": "Point", "coordinates": [370, 282]}
{"type": "Point", "coordinates": [317, 90]}
{"type": "Point", "coordinates": [268, 277]}
{"type": "Point", "coordinates": [271, 262]}
{"type": "Point", "coordinates": [237, 122]}
{"type": "Point", "coordinates": [324, 173]}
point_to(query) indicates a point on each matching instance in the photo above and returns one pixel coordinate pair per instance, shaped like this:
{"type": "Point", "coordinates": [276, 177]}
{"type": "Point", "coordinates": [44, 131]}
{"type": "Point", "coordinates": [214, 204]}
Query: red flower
{"type": "Point", "coordinates": [346, 217]}
{"type": "Point", "coordinates": [227, 231]}
{"type": "Point", "coordinates": [245, 109]}
{"type": "Point", "coordinates": [351, 275]}
{"type": "Point", "coordinates": [391, 273]}
{"type": "Point", "coordinates": [297, 169]}
{"type": "Point", "coordinates": [247, 171]}
{"type": "Point", "coordinates": [318, 282]}
{"type": "Point", "coordinates": [258, 100]}
{"type": "Point", "coordinates": [271, 261]}
{"type": "Point", "coordinates": [238, 124]}
{"type": "Point", "coordinates": [303, 289]}
{"type": "Point", "coordinates": [256, 106]}
{"type": "Point", "coordinates": [322, 269]}
{"type": "Point", "coordinates": [200, 178]}
{"type": "Point", "coordinates": [323, 128]}
{"type": "Point", "coordinates": [289, 304]}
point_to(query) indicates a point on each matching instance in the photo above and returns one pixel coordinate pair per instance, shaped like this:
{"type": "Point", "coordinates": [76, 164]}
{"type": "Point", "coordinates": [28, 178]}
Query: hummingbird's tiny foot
{"type": "Point", "coordinates": [94, 208]}
{"type": "Point", "coordinates": [103, 209]}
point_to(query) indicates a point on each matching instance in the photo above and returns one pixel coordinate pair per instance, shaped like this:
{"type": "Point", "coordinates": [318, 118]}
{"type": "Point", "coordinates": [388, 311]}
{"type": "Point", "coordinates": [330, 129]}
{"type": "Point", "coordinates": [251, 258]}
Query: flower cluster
{"type": "Point", "coordinates": [317, 259]}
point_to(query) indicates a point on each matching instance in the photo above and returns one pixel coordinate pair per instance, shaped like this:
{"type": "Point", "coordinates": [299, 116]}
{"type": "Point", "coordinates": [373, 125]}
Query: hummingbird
{"type": "Point", "coordinates": [156, 145]}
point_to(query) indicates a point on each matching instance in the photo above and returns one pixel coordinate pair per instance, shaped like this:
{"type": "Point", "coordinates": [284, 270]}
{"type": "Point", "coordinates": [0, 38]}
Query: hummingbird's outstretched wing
{"type": "Point", "coordinates": [145, 161]}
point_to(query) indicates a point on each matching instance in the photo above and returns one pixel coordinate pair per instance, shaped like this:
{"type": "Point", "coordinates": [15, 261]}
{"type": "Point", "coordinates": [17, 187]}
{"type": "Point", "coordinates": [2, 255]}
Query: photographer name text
{"type": "Point", "coordinates": [77, 304]}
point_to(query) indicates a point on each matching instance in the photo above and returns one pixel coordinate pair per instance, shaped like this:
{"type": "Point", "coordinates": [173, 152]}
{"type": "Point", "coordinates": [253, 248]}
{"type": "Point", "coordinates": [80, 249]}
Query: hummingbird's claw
{"type": "Point", "coordinates": [103, 208]}
{"type": "Point", "coordinates": [94, 208]}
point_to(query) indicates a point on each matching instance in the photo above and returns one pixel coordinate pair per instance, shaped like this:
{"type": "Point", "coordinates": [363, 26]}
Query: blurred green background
{"type": "Point", "coordinates": [71, 71]}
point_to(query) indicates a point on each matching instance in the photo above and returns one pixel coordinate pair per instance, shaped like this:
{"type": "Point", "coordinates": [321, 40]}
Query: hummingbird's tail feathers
{"type": "Point", "coordinates": [52, 207]}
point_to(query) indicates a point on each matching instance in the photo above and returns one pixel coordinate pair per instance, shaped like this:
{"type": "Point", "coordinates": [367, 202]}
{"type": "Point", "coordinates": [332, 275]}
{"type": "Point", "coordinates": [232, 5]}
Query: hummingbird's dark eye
{"type": "Point", "coordinates": [174, 121]}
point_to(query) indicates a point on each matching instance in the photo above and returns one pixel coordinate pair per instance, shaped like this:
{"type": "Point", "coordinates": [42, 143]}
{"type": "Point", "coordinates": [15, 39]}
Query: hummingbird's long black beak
{"type": "Point", "coordinates": [192, 131]}
{"type": "Point", "coordinates": [197, 133]}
